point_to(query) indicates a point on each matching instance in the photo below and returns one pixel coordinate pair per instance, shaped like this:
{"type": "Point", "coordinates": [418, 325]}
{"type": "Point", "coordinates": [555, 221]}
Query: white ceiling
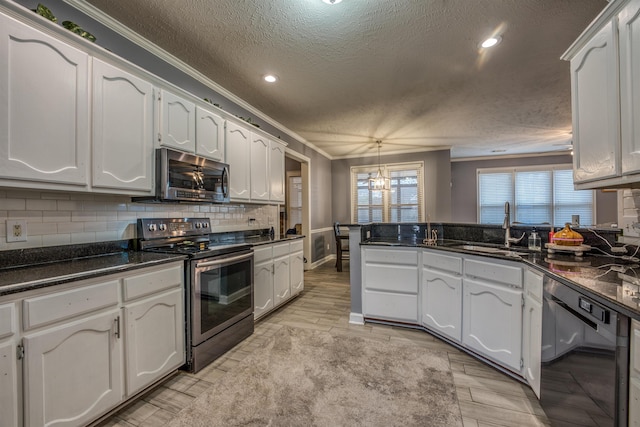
{"type": "Point", "coordinates": [407, 72]}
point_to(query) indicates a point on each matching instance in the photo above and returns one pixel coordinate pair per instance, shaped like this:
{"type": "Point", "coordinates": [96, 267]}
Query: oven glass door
{"type": "Point", "coordinates": [222, 294]}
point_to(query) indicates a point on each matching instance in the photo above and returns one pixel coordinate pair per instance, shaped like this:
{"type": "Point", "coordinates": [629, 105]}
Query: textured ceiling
{"type": "Point", "coordinates": [407, 72]}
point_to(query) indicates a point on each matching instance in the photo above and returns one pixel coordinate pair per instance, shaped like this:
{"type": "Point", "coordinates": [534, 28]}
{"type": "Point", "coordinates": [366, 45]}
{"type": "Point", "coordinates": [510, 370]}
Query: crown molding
{"type": "Point", "coordinates": [126, 32]}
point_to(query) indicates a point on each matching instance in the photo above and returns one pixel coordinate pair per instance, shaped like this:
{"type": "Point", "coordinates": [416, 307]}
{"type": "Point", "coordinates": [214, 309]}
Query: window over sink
{"type": "Point", "coordinates": [537, 195]}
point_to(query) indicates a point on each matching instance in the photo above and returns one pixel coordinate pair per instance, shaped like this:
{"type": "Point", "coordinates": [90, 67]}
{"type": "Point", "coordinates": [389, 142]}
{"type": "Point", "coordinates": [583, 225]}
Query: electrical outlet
{"type": "Point", "coordinates": [16, 230]}
{"type": "Point", "coordinates": [328, 246]}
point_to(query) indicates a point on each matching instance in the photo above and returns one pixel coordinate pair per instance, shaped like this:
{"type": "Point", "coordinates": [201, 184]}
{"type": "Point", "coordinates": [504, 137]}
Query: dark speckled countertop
{"type": "Point", "coordinates": [24, 278]}
{"type": "Point", "coordinates": [609, 281]}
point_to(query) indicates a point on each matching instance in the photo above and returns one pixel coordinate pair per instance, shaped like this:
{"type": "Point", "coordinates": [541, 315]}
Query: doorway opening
{"type": "Point", "coordinates": [294, 214]}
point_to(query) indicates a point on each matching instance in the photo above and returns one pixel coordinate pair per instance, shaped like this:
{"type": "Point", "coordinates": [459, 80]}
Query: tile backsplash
{"type": "Point", "coordinates": [59, 218]}
{"type": "Point", "coordinates": [629, 215]}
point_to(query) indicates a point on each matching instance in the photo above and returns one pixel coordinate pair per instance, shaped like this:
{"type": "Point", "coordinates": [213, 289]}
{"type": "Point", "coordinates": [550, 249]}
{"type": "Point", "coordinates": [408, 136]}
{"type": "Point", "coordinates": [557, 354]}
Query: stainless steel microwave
{"type": "Point", "coordinates": [183, 177]}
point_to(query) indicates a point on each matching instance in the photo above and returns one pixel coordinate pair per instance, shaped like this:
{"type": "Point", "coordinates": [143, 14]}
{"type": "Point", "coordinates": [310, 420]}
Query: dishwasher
{"type": "Point", "coordinates": [585, 359]}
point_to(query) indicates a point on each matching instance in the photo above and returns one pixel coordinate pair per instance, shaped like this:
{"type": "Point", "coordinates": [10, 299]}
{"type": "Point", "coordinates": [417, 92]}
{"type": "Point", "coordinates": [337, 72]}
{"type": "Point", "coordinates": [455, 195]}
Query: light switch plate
{"type": "Point", "coordinates": [16, 230]}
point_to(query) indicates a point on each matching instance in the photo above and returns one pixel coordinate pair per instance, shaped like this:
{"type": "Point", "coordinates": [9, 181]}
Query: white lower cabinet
{"type": "Point", "coordinates": [634, 375]}
{"type": "Point", "coordinates": [492, 321]}
{"type": "Point", "coordinates": [441, 294]}
{"type": "Point", "coordinates": [296, 267]}
{"type": "Point", "coordinates": [8, 367]}
{"type": "Point", "coordinates": [154, 338]}
{"type": "Point", "coordinates": [390, 284]}
{"type": "Point", "coordinates": [73, 371]}
{"type": "Point", "coordinates": [89, 346]}
{"type": "Point", "coordinates": [278, 275]}
{"type": "Point", "coordinates": [532, 329]}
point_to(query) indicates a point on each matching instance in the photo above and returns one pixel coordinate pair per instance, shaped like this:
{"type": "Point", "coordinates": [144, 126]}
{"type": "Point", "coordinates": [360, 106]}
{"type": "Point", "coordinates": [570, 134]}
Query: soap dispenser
{"type": "Point", "coordinates": [534, 241]}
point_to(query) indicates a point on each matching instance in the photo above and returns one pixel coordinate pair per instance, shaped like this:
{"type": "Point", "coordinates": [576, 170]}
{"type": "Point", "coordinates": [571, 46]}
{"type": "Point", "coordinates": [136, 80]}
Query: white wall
{"type": "Point", "coordinates": [68, 218]}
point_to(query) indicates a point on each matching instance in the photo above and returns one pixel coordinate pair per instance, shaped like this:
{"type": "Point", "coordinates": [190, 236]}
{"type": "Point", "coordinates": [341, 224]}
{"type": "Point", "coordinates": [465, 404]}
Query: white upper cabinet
{"type": "Point", "coordinates": [259, 167]}
{"type": "Point", "coordinates": [177, 127]}
{"type": "Point", "coordinates": [605, 94]}
{"type": "Point", "coordinates": [122, 130]}
{"type": "Point", "coordinates": [237, 148]}
{"type": "Point", "coordinates": [594, 80]}
{"type": "Point", "coordinates": [209, 135]}
{"type": "Point", "coordinates": [629, 35]}
{"type": "Point", "coordinates": [44, 105]}
{"type": "Point", "coordinates": [276, 172]}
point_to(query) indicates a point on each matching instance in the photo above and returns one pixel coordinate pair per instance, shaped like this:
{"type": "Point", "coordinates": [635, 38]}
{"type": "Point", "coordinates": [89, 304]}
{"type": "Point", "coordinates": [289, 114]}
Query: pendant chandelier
{"type": "Point", "coordinates": [379, 182]}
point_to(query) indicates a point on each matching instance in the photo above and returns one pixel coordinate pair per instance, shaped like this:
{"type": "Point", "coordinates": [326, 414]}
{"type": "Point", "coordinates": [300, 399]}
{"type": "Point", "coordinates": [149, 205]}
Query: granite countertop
{"type": "Point", "coordinates": [254, 240]}
{"type": "Point", "coordinates": [609, 281]}
{"type": "Point", "coordinates": [39, 275]}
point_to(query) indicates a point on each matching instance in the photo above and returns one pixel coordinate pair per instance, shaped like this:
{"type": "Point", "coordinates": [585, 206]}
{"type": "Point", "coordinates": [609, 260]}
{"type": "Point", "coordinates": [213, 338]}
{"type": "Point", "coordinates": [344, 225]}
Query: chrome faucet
{"type": "Point", "coordinates": [506, 225]}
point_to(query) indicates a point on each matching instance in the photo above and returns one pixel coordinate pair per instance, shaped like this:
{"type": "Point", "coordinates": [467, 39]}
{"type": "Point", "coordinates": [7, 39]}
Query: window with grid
{"type": "Point", "coordinates": [403, 203]}
{"type": "Point", "coordinates": [537, 195]}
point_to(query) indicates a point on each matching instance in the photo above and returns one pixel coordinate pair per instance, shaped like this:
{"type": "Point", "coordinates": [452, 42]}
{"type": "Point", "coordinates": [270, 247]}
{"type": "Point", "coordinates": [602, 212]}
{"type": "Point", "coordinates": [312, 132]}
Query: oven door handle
{"type": "Point", "coordinates": [224, 260]}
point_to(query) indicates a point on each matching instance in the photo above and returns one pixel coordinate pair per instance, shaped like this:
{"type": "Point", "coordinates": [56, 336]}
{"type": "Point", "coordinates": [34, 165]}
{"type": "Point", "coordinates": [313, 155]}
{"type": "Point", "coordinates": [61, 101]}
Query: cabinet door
{"type": "Point", "coordinates": [73, 372]}
{"type": "Point", "coordinates": [629, 38]}
{"type": "Point", "coordinates": [263, 288]}
{"type": "Point", "coordinates": [595, 105]}
{"type": "Point", "coordinates": [237, 149]}
{"type": "Point", "coordinates": [8, 385]}
{"type": "Point", "coordinates": [177, 122]}
{"type": "Point", "coordinates": [492, 321]}
{"type": "Point", "coordinates": [532, 329]}
{"type": "Point", "coordinates": [122, 129]}
{"type": "Point", "coordinates": [281, 282]}
{"type": "Point", "coordinates": [44, 122]}
{"type": "Point", "coordinates": [442, 303]}
{"type": "Point", "coordinates": [296, 261]}
{"type": "Point", "coordinates": [259, 168]}
{"type": "Point", "coordinates": [276, 172]}
{"type": "Point", "coordinates": [209, 135]}
{"type": "Point", "coordinates": [154, 338]}
{"type": "Point", "coordinates": [634, 402]}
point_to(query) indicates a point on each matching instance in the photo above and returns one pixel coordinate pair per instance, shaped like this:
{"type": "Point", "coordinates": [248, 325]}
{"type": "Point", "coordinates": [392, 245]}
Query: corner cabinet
{"type": "Point", "coordinates": [605, 94]}
{"type": "Point", "coordinates": [44, 116]}
{"type": "Point", "coordinates": [122, 130]}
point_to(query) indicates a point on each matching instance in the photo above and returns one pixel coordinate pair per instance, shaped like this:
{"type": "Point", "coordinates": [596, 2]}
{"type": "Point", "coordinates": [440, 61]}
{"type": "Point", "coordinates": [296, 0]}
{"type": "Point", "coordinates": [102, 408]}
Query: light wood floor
{"type": "Point", "coordinates": [487, 397]}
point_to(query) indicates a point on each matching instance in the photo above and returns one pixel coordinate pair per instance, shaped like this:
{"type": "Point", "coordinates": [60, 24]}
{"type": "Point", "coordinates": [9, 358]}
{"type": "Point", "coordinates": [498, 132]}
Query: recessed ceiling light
{"type": "Point", "coordinates": [491, 41]}
{"type": "Point", "coordinates": [332, 1]}
{"type": "Point", "coordinates": [270, 78]}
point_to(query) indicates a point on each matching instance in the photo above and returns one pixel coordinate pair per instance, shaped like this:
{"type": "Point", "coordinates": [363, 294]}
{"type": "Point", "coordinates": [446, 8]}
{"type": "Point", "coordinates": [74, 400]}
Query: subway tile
{"type": "Point", "coordinates": [94, 205]}
{"type": "Point", "coordinates": [42, 205]}
{"type": "Point", "coordinates": [107, 216]}
{"type": "Point", "coordinates": [83, 238]}
{"type": "Point", "coordinates": [56, 216]}
{"type": "Point", "coordinates": [95, 226]}
{"type": "Point", "coordinates": [14, 204]}
{"type": "Point", "coordinates": [56, 239]}
{"type": "Point", "coordinates": [23, 194]}
{"type": "Point", "coordinates": [70, 227]}
{"type": "Point", "coordinates": [41, 228]}
{"type": "Point", "coordinates": [135, 207]}
{"type": "Point", "coordinates": [83, 216]}
{"type": "Point", "coordinates": [127, 216]}
{"type": "Point", "coordinates": [69, 205]}
{"type": "Point", "coordinates": [30, 216]}
{"type": "Point", "coordinates": [54, 196]}
{"type": "Point", "coordinates": [104, 236]}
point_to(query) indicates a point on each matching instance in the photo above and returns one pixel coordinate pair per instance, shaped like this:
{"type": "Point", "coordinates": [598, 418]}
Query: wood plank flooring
{"type": "Point", "coordinates": [487, 397]}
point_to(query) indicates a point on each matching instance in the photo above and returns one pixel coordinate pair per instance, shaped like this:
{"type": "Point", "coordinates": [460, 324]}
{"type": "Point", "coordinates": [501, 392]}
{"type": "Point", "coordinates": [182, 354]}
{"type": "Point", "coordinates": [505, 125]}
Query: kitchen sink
{"type": "Point", "coordinates": [489, 250]}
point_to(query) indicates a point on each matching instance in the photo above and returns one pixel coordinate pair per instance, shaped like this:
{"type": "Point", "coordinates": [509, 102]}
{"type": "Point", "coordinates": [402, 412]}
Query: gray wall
{"type": "Point", "coordinates": [437, 178]}
{"type": "Point", "coordinates": [464, 188]}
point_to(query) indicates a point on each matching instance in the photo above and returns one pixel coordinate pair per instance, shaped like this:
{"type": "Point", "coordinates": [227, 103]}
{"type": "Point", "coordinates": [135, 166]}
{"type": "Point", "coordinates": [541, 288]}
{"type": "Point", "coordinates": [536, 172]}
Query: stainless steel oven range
{"type": "Point", "coordinates": [219, 285]}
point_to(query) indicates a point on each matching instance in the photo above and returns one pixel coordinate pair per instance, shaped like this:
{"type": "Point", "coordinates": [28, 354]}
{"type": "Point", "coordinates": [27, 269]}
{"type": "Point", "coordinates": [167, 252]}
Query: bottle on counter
{"type": "Point", "coordinates": [551, 233]}
{"type": "Point", "coordinates": [534, 241]}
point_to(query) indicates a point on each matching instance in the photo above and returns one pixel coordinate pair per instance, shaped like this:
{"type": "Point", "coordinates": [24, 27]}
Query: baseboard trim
{"type": "Point", "coordinates": [356, 318]}
{"type": "Point", "coordinates": [318, 263]}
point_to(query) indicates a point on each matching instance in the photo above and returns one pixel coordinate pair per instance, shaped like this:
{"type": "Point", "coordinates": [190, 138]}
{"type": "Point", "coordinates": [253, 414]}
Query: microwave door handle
{"type": "Point", "coordinates": [225, 182]}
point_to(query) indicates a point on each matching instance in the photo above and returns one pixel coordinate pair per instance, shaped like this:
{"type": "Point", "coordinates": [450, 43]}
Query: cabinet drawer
{"type": "Point", "coordinates": [391, 256]}
{"type": "Point", "coordinates": [152, 282]}
{"type": "Point", "coordinates": [384, 305]}
{"type": "Point", "coordinates": [280, 249]}
{"type": "Point", "coordinates": [262, 253]}
{"type": "Point", "coordinates": [493, 272]}
{"type": "Point", "coordinates": [295, 246]}
{"type": "Point", "coordinates": [7, 320]}
{"type": "Point", "coordinates": [397, 278]}
{"type": "Point", "coordinates": [442, 262]}
{"type": "Point", "coordinates": [46, 309]}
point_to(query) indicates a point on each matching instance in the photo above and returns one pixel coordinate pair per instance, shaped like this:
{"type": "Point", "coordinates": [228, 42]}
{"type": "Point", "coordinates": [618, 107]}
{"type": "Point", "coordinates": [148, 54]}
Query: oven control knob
{"type": "Point", "coordinates": [152, 227]}
{"type": "Point", "coordinates": [163, 227]}
{"type": "Point", "coordinates": [198, 224]}
{"type": "Point", "coordinates": [205, 225]}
